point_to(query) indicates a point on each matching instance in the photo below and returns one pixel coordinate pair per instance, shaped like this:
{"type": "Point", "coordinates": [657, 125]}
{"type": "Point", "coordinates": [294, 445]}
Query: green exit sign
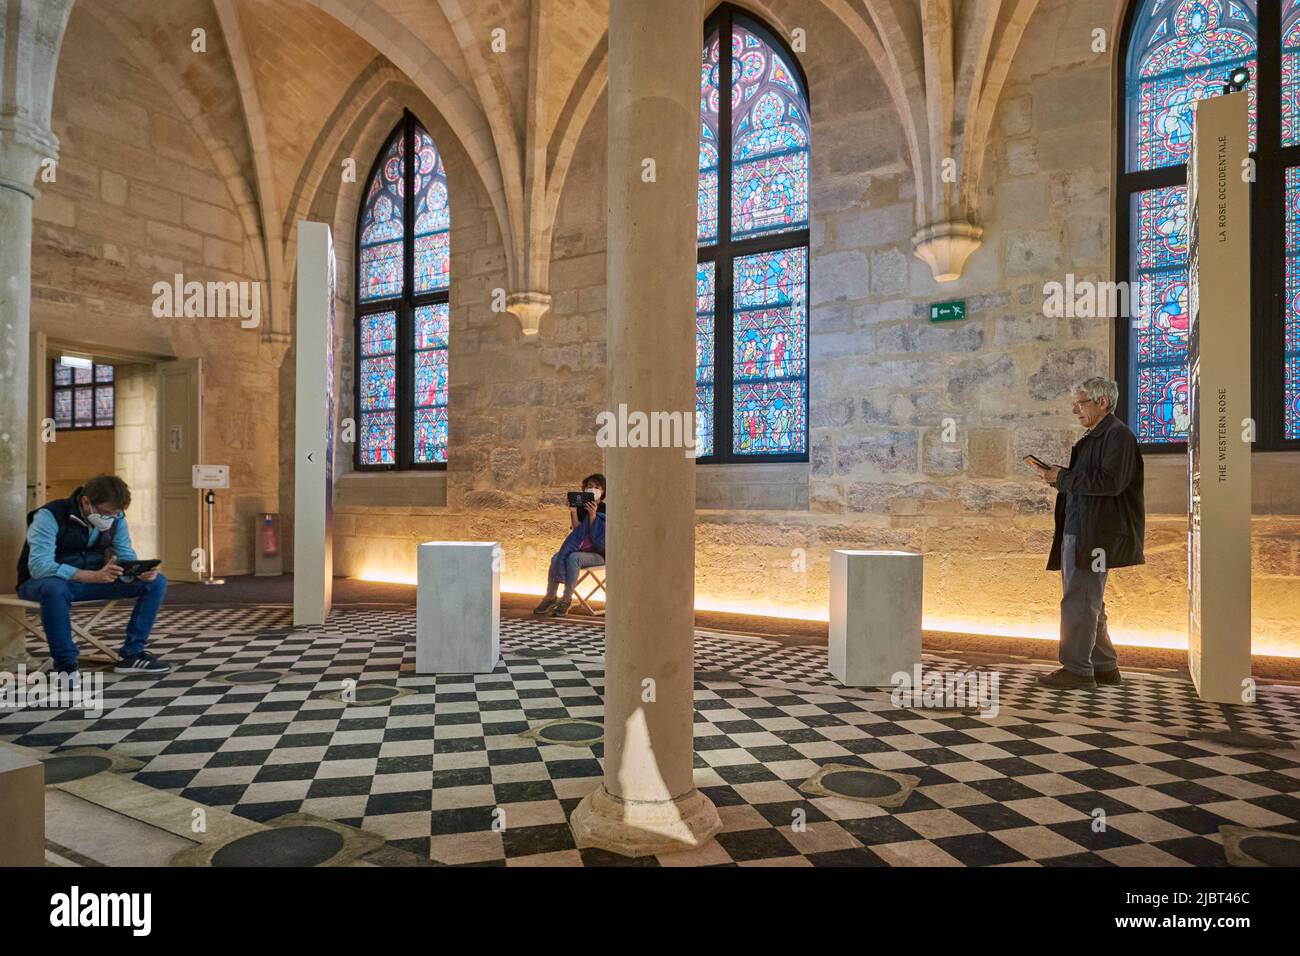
{"type": "Point", "coordinates": [948, 311]}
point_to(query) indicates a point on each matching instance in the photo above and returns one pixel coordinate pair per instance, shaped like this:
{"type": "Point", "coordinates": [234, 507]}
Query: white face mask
{"type": "Point", "coordinates": [100, 522]}
{"type": "Point", "coordinates": [594, 491]}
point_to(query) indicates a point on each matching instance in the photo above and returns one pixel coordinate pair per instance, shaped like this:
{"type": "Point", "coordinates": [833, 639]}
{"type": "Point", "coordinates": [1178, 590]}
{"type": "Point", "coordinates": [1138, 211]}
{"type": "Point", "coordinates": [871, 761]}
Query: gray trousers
{"type": "Point", "coordinates": [1085, 643]}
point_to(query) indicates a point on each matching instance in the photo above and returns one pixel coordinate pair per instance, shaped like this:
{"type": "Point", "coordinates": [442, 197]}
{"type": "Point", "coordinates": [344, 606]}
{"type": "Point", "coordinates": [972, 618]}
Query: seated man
{"type": "Point", "coordinates": [583, 548]}
{"type": "Point", "coordinates": [71, 555]}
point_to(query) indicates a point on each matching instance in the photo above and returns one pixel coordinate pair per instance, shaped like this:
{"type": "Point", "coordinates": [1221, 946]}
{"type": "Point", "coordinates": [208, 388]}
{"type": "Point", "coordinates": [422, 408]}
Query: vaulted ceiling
{"type": "Point", "coordinates": [517, 80]}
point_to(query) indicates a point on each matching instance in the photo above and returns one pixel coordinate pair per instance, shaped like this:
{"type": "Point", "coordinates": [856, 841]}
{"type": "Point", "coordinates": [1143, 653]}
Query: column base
{"type": "Point", "coordinates": [644, 828]}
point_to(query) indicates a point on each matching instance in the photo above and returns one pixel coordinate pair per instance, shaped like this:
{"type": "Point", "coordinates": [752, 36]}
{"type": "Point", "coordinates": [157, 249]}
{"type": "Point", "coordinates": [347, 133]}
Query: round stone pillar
{"type": "Point", "coordinates": [648, 802]}
{"type": "Point", "coordinates": [16, 169]}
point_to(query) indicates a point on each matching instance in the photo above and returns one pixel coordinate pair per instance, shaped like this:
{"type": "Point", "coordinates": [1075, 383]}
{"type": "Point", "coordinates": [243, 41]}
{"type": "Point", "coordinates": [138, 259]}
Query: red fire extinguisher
{"type": "Point", "coordinates": [270, 539]}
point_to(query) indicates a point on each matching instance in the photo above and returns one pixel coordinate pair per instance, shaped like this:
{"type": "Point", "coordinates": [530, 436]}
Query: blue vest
{"type": "Point", "coordinates": [72, 546]}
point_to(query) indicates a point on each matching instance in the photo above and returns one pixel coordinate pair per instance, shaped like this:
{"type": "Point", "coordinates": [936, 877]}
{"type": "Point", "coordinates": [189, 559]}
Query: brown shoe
{"type": "Point", "coordinates": [1110, 678]}
{"type": "Point", "coordinates": [1062, 679]}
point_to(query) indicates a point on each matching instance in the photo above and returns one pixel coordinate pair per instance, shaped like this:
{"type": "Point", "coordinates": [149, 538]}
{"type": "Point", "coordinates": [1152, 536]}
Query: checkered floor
{"type": "Point", "coordinates": [1118, 776]}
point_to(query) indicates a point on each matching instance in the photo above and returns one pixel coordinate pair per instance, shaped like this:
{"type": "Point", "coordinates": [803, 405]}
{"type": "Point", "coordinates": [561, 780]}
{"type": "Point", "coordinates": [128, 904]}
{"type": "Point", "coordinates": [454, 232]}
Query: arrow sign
{"type": "Point", "coordinates": [309, 458]}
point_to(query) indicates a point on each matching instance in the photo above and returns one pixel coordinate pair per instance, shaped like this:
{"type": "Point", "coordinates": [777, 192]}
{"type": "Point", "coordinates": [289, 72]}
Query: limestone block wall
{"type": "Point", "coordinates": [138, 198]}
{"type": "Point", "coordinates": [137, 448]}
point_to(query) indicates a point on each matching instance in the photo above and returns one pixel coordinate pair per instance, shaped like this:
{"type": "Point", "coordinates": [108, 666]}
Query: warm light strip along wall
{"type": "Point", "coordinates": [1043, 631]}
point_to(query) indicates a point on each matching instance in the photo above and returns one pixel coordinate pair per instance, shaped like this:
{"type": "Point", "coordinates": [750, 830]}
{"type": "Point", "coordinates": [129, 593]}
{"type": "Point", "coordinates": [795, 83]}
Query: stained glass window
{"type": "Point", "coordinates": [430, 423]}
{"type": "Point", "coordinates": [1181, 51]}
{"type": "Point", "coordinates": [704, 336]}
{"type": "Point", "coordinates": [752, 229]}
{"type": "Point", "coordinates": [1291, 73]}
{"type": "Point", "coordinates": [1158, 349]}
{"type": "Point", "coordinates": [769, 141]}
{"type": "Point", "coordinates": [382, 227]}
{"type": "Point", "coordinates": [1291, 334]}
{"type": "Point", "coordinates": [432, 217]}
{"type": "Point", "coordinates": [378, 389]}
{"type": "Point", "coordinates": [404, 321]}
{"type": "Point", "coordinates": [769, 354]}
{"type": "Point", "coordinates": [83, 397]}
{"type": "Point", "coordinates": [1178, 52]}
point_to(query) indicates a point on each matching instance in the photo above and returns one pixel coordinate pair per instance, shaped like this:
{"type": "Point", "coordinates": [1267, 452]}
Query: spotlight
{"type": "Point", "coordinates": [1237, 80]}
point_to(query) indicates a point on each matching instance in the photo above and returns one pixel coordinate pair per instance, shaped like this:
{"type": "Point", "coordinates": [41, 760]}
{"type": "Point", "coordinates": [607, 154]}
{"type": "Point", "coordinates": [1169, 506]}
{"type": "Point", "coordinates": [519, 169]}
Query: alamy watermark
{"type": "Point", "coordinates": [946, 690]}
{"type": "Point", "coordinates": [56, 691]}
{"type": "Point", "coordinates": [637, 429]}
{"type": "Point", "coordinates": [208, 300]}
{"type": "Point", "coordinates": [1095, 299]}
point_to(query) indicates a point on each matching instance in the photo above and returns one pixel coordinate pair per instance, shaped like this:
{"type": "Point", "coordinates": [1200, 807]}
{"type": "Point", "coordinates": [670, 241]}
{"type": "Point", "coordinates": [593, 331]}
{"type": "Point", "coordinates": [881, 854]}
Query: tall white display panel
{"type": "Point", "coordinates": [1218, 449]}
{"type": "Point", "coordinates": [313, 550]}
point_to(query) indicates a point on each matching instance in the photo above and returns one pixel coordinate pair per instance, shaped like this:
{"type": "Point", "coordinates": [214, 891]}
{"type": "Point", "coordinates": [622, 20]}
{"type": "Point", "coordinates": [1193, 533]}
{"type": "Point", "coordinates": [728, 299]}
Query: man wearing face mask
{"type": "Point", "coordinates": [71, 554]}
{"type": "Point", "coordinates": [583, 548]}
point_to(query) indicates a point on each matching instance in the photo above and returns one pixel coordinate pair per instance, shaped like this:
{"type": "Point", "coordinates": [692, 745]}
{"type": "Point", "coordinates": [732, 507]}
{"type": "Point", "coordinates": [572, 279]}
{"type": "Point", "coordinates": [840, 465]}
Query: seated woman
{"type": "Point", "coordinates": [583, 548]}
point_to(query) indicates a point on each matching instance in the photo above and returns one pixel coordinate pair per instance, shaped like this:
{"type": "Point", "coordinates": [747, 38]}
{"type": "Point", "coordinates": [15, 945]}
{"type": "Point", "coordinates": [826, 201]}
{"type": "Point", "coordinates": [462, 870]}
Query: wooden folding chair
{"type": "Point", "coordinates": [84, 631]}
{"type": "Point", "coordinates": [596, 574]}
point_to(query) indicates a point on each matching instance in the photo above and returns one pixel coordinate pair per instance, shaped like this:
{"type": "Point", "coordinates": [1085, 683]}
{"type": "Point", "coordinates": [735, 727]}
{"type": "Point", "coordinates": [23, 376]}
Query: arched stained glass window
{"type": "Point", "coordinates": [752, 229]}
{"type": "Point", "coordinates": [1290, 68]}
{"type": "Point", "coordinates": [403, 284]}
{"type": "Point", "coordinates": [1176, 52]}
{"type": "Point", "coordinates": [1179, 51]}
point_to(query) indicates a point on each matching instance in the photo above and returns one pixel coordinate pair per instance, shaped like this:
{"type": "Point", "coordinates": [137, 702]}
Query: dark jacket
{"type": "Point", "coordinates": [1105, 473]}
{"type": "Point", "coordinates": [72, 545]}
{"type": "Point", "coordinates": [574, 541]}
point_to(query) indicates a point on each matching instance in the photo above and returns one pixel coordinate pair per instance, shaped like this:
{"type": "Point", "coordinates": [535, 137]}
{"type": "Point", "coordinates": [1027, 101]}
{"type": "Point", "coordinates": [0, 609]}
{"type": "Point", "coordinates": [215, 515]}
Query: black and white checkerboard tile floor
{"type": "Point", "coordinates": [443, 772]}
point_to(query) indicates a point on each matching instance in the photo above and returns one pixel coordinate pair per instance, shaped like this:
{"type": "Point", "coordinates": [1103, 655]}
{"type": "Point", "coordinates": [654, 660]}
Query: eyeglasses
{"type": "Point", "coordinates": [1075, 406]}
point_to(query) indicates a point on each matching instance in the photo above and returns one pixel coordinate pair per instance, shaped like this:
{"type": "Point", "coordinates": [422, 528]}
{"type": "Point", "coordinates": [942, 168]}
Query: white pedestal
{"type": "Point", "coordinates": [875, 628]}
{"type": "Point", "coordinates": [22, 809]}
{"type": "Point", "coordinates": [458, 607]}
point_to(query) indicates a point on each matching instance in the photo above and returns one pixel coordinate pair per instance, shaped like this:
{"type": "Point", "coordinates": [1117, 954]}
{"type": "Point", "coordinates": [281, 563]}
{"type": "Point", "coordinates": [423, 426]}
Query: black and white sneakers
{"type": "Point", "coordinates": [142, 663]}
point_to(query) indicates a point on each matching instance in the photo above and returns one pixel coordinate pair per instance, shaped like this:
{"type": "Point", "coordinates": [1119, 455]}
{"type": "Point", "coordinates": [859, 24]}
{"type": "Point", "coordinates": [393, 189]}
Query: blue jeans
{"type": "Point", "coordinates": [569, 570]}
{"type": "Point", "coordinates": [1085, 642]}
{"type": "Point", "coordinates": [56, 596]}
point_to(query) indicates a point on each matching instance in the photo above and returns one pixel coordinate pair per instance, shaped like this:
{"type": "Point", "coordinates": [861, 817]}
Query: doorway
{"type": "Point", "coordinates": [98, 410]}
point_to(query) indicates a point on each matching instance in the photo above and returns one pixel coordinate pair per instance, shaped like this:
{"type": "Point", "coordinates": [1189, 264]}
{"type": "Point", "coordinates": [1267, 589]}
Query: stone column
{"type": "Point", "coordinates": [31, 32]}
{"type": "Point", "coordinates": [648, 803]}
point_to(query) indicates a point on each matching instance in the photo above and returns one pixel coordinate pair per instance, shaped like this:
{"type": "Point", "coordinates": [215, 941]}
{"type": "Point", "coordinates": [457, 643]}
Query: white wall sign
{"type": "Point", "coordinates": [211, 476]}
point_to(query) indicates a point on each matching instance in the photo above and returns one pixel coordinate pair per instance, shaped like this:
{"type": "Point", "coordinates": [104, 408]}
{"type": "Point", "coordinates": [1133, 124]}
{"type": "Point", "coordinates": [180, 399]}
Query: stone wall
{"type": "Point", "coordinates": [137, 198]}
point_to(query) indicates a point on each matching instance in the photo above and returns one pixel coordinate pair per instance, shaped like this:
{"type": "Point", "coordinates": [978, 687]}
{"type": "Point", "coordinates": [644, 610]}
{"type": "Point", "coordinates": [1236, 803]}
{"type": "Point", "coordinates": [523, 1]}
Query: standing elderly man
{"type": "Point", "coordinates": [1100, 525]}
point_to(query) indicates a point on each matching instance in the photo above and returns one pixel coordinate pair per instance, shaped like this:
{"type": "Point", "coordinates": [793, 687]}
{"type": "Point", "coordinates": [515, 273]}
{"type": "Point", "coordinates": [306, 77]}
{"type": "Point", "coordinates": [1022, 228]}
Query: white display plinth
{"type": "Point", "coordinates": [875, 628]}
{"type": "Point", "coordinates": [313, 482]}
{"type": "Point", "coordinates": [1219, 432]}
{"type": "Point", "coordinates": [458, 607]}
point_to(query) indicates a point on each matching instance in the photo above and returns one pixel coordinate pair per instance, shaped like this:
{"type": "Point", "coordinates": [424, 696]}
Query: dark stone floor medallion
{"type": "Point", "coordinates": [82, 763]}
{"type": "Point", "coordinates": [281, 846]}
{"type": "Point", "coordinates": [1244, 846]}
{"type": "Point", "coordinates": [374, 693]}
{"type": "Point", "coordinates": [861, 784]}
{"type": "Point", "coordinates": [294, 839]}
{"type": "Point", "coordinates": [569, 732]}
{"type": "Point", "coordinates": [882, 788]}
{"type": "Point", "coordinates": [62, 768]}
{"type": "Point", "coordinates": [254, 677]}
{"type": "Point", "coordinates": [368, 694]}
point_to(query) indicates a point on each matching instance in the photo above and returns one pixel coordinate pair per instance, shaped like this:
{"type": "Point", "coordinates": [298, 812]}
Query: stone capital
{"type": "Point", "coordinates": [528, 308]}
{"type": "Point", "coordinates": [945, 247]}
{"type": "Point", "coordinates": [23, 148]}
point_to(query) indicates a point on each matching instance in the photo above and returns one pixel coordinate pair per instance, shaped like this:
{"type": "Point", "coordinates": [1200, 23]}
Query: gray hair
{"type": "Point", "coordinates": [1097, 388]}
